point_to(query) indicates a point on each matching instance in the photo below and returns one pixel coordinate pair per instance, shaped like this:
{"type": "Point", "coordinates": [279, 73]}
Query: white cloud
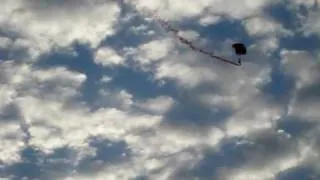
{"type": "Point", "coordinates": [312, 24]}
{"type": "Point", "coordinates": [118, 99]}
{"type": "Point", "coordinates": [308, 19]}
{"type": "Point", "coordinates": [5, 42]}
{"type": "Point", "coordinates": [269, 154]}
{"type": "Point", "coordinates": [268, 45]}
{"type": "Point", "coordinates": [254, 115]}
{"type": "Point", "coordinates": [209, 20]}
{"type": "Point", "coordinates": [248, 8]}
{"type": "Point", "coordinates": [308, 3]}
{"type": "Point", "coordinates": [298, 64]}
{"type": "Point", "coordinates": [44, 25]}
{"type": "Point", "coordinates": [262, 26]}
{"type": "Point", "coordinates": [177, 10]}
{"type": "Point", "coordinates": [153, 51]}
{"type": "Point", "coordinates": [108, 57]}
{"type": "Point", "coordinates": [189, 34]}
{"type": "Point", "coordinates": [12, 142]}
{"type": "Point", "coordinates": [56, 83]}
{"type": "Point", "coordinates": [24, 85]}
{"type": "Point", "coordinates": [105, 79]}
{"type": "Point", "coordinates": [185, 75]}
{"type": "Point", "coordinates": [142, 30]}
{"type": "Point", "coordinates": [158, 105]}
{"type": "Point", "coordinates": [304, 67]}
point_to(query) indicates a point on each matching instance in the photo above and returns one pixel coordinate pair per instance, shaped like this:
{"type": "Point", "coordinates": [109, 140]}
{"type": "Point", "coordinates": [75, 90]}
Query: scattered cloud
{"type": "Point", "coordinates": [108, 57]}
{"type": "Point", "coordinates": [73, 116]}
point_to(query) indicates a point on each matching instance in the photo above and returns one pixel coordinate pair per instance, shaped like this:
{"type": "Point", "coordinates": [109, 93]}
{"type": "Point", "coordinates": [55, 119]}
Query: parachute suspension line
{"type": "Point", "coordinates": [165, 24]}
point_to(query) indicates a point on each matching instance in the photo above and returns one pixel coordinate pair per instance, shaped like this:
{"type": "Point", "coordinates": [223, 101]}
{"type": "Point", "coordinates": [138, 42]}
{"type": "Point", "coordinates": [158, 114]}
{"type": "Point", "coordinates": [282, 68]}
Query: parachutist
{"type": "Point", "coordinates": [240, 49]}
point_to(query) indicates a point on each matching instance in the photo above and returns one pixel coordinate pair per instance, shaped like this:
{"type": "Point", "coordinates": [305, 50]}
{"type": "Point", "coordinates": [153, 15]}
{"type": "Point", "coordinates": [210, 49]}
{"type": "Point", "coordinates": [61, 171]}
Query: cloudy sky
{"type": "Point", "coordinates": [96, 89]}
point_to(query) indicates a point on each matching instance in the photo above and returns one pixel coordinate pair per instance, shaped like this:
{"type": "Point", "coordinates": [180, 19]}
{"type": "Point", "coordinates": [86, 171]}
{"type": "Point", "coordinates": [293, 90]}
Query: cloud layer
{"type": "Point", "coordinates": [95, 90]}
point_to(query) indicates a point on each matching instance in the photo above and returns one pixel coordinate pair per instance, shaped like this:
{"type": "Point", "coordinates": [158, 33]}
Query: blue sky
{"type": "Point", "coordinates": [95, 89]}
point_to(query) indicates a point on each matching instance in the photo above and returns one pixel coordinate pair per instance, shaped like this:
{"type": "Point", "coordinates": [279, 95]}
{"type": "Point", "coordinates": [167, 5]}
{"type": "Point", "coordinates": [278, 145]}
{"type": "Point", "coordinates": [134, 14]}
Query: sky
{"type": "Point", "coordinates": [97, 89]}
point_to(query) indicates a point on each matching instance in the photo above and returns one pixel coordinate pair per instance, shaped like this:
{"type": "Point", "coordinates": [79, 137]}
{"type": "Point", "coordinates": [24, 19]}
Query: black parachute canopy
{"type": "Point", "coordinates": [239, 48]}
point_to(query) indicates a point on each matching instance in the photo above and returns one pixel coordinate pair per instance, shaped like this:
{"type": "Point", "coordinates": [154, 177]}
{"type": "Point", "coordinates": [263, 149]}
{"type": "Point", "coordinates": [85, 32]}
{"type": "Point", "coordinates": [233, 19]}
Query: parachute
{"type": "Point", "coordinates": [239, 48]}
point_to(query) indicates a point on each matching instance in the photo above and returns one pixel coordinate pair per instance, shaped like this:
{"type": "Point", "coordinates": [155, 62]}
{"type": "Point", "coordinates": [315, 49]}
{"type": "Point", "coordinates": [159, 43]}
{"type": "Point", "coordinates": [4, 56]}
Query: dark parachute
{"type": "Point", "coordinates": [239, 48]}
